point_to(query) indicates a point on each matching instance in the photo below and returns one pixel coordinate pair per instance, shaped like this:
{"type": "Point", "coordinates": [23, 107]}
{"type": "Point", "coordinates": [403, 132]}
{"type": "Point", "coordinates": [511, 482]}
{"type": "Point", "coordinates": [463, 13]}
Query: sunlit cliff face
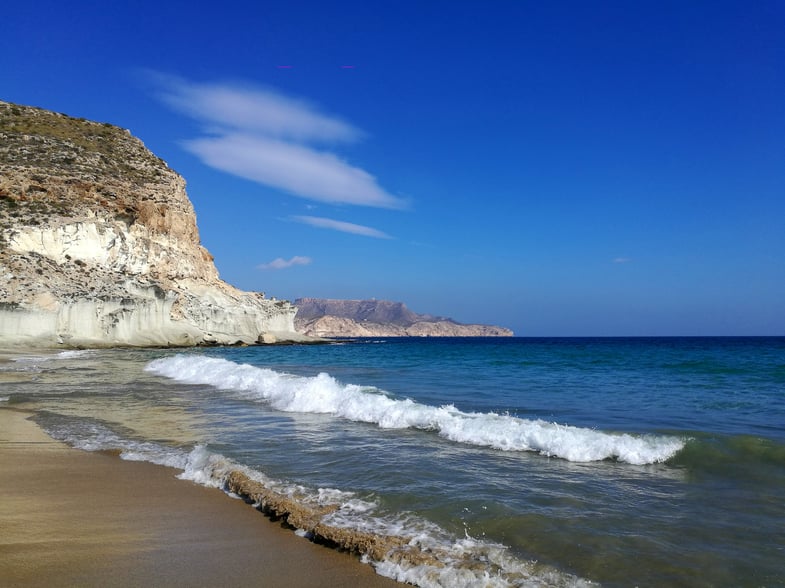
{"type": "Point", "coordinates": [100, 245]}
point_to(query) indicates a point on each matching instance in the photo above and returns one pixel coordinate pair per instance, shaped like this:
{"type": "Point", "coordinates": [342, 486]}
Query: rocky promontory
{"type": "Point", "coordinates": [99, 245]}
{"type": "Point", "coordinates": [321, 317]}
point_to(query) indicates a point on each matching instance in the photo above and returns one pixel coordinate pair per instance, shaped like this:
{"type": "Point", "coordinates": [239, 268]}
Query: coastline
{"type": "Point", "coordinates": [79, 518]}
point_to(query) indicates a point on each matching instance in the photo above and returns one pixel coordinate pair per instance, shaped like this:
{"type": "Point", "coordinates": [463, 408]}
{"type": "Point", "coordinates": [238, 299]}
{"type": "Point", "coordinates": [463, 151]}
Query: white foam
{"type": "Point", "coordinates": [207, 468]}
{"type": "Point", "coordinates": [33, 363]}
{"type": "Point", "coordinates": [324, 394]}
{"type": "Point", "coordinates": [69, 354]}
{"type": "Point", "coordinates": [499, 570]}
{"type": "Point", "coordinates": [5, 398]}
{"type": "Point", "coordinates": [465, 562]}
{"type": "Point", "coordinates": [91, 436]}
{"type": "Point", "coordinates": [25, 364]}
{"type": "Point", "coordinates": [73, 353]}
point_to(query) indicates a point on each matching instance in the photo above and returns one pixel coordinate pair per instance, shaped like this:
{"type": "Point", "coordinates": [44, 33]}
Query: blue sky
{"type": "Point", "coordinates": [560, 168]}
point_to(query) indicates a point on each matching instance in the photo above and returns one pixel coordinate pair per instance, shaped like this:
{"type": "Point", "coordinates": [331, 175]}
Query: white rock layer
{"type": "Point", "coordinates": [99, 246]}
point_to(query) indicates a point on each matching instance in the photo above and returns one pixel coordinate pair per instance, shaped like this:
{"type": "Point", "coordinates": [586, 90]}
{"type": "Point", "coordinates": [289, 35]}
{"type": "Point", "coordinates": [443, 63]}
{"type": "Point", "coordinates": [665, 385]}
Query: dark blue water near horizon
{"type": "Point", "coordinates": [617, 461]}
{"type": "Point", "coordinates": [638, 384]}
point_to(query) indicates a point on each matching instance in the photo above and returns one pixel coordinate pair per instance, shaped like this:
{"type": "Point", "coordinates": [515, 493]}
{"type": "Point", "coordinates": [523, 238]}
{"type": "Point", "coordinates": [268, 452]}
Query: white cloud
{"type": "Point", "coordinates": [250, 109]}
{"type": "Point", "coordinates": [300, 170]}
{"type": "Point", "coordinates": [336, 225]}
{"type": "Point", "coordinates": [281, 263]}
{"type": "Point", "coordinates": [262, 135]}
{"type": "Point", "coordinates": [622, 260]}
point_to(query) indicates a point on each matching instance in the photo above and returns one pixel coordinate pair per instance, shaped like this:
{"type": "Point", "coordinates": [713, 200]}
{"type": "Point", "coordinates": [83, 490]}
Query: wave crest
{"type": "Point", "coordinates": [323, 394]}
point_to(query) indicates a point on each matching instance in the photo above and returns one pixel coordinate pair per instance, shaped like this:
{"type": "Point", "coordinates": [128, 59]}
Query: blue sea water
{"type": "Point", "coordinates": [522, 461]}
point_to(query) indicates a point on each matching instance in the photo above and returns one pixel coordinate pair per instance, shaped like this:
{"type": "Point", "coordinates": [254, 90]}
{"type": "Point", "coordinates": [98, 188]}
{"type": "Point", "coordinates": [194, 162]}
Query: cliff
{"type": "Point", "coordinates": [380, 318]}
{"type": "Point", "coordinates": [99, 245]}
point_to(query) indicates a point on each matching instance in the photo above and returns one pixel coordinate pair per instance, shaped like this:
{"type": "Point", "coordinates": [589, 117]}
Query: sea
{"type": "Point", "coordinates": [509, 461]}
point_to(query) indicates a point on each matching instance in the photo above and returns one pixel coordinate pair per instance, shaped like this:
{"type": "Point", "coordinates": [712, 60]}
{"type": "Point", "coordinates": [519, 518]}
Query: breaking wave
{"type": "Point", "coordinates": [323, 394]}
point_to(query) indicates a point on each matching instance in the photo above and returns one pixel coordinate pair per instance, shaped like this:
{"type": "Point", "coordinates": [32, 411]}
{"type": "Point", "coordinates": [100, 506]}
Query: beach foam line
{"type": "Point", "coordinates": [73, 519]}
{"type": "Point", "coordinates": [398, 545]}
{"type": "Point", "coordinates": [309, 520]}
{"type": "Point", "coordinates": [404, 558]}
{"type": "Point", "coordinates": [323, 394]}
{"type": "Point", "coordinates": [68, 354]}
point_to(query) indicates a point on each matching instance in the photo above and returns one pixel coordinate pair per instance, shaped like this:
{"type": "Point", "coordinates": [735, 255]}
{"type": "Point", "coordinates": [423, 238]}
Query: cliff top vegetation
{"type": "Point", "coordinates": [62, 145]}
{"type": "Point", "coordinates": [55, 166]}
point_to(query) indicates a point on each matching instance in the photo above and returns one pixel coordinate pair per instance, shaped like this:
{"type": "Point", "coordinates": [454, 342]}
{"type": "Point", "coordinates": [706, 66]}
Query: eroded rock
{"type": "Point", "coordinates": [99, 245]}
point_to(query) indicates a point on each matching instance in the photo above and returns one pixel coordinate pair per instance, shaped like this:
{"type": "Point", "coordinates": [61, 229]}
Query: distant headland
{"type": "Point", "coordinates": [380, 318]}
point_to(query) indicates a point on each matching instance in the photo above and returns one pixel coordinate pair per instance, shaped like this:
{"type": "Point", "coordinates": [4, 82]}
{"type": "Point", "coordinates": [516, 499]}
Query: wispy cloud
{"type": "Point", "coordinates": [336, 225]}
{"type": "Point", "coordinates": [281, 263]}
{"type": "Point", "coordinates": [259, 110]}
{"type": "Point", "coordinates": [300, 170]}
{"type": "Point", "coordinates": [267, 137]}
{"type": "Point", "coordinates": [621, 260]}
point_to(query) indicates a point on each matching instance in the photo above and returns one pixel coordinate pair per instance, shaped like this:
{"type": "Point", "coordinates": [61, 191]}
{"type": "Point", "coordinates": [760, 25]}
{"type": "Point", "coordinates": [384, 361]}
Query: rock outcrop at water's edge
{"type": "Point", "coordinates": [309, 518]}
{"type": "Point", "coordinates": [321, 317]}
{"type": "Point", "coordinates": [408, 555]}
{"type": "Point", "coordinates": [99, 246]}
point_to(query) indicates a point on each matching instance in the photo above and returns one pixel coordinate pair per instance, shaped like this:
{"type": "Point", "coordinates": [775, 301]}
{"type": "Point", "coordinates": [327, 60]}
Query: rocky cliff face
{"type": "Point", "coordinates": [380, 318]}
{"type": "Point", "coordinates": [99, 245]}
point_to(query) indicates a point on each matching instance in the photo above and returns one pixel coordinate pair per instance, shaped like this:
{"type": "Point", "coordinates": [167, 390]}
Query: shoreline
{"type": "Point", "coordinates": [46, 344]}
{"type": "Point", "coordinates": [71, 517]}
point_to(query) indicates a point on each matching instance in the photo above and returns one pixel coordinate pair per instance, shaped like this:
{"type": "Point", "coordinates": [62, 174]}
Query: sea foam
{"type": "Point", "coordinates": [323, 394]}
{"type": "Point", "coordinates": [454, 562]}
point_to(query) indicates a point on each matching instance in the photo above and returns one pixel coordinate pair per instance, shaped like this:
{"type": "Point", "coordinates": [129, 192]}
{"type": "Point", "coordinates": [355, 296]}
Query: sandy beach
{"type": "Point", "coordinates": [73, 518]}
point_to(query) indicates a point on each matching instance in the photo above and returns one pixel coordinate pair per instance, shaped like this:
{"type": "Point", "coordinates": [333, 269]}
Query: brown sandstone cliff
{"type": "Point", "coordinates": [99, 245]}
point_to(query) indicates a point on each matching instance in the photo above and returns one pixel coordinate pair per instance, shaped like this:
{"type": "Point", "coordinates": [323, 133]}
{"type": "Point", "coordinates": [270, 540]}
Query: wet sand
{"type": "Point", "coordinates": [73, 518]}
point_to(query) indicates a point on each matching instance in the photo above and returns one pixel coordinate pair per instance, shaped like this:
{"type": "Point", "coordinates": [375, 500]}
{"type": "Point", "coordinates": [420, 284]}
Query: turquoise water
{"type": "Point", "coordinates": [621, 462]}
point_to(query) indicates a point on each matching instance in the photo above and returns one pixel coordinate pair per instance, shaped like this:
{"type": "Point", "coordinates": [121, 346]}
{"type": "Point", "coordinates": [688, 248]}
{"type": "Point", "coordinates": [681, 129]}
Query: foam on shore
{"type": "Point", "coordinates": [70, 518]}
{"type": "Point", "coordinates": [399, 545]}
